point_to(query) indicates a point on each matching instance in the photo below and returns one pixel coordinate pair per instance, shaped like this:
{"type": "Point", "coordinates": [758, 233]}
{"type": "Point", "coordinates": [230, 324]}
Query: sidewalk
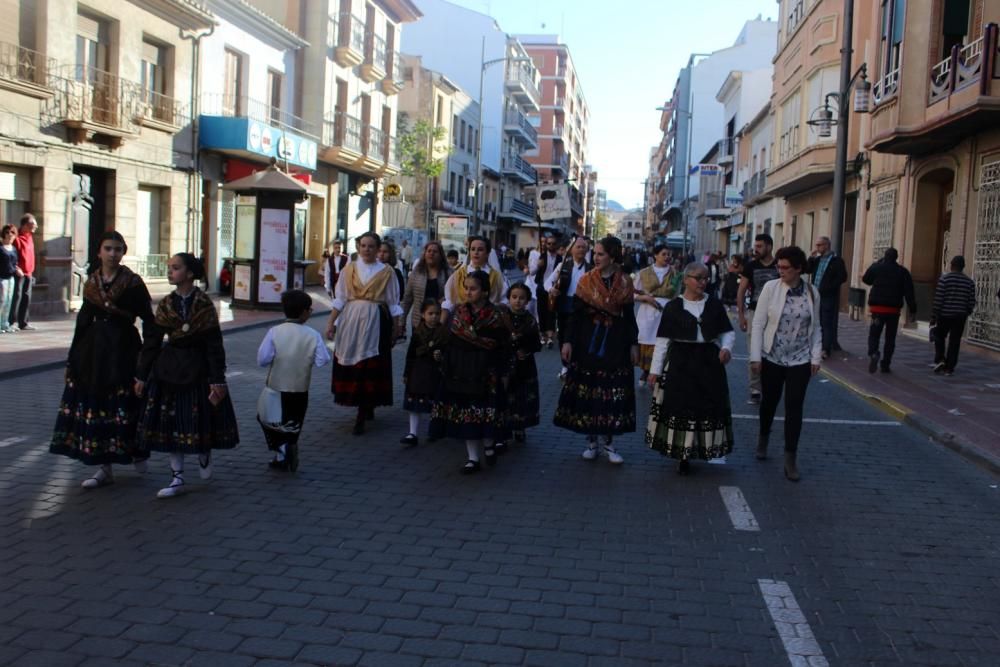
{"type": "Point", "coordinates": [46, 347]}
{"type": "Point", "coordinates": [961, 412]}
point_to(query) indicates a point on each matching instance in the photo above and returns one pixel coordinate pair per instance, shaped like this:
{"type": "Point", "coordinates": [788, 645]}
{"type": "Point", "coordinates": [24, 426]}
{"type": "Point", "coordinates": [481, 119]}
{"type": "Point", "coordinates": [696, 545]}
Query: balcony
{"type": "Point", "coordinates": [350, 43]}
{"type": "Point", "coordinates": [374, 67]}
{"type": "Point", "coordinates": [393, 81]}
{"type": "Point", "coordinates": [713, 204]}
{"type": "Point", "coordinates": [516, 124]}
{"type": "Point", "coordinates": [559, 133]}
{"type": "Point", "coordinates": [726, 150]}
{"type": "Point", "coordinates": [560, 161]}
{"type": "Point", "coordinates": [241, 106]}
{"type": "Point", "coordinates": [154, 110]}
{"type": "Point", "coordinates": [753, 189]}
{"type": "Point", "coordinates": [92, 102]}
{"type": "Point", "coordinates": [962, 99]}
{"type": "Point", "coordinates": [515, 209]}
{"type": "Point", "coordinates": [453, 202]}
{"type": "Point", "coordinates": [520, 83]}
{"type": "Point", "coordinates": [25, 71]}
{"type": "Point", "coordinates": [341, 142]}
{"type": "Point", "coordinates": [514, 165]}
{"type": "Point", "coordinates": [576, 200]}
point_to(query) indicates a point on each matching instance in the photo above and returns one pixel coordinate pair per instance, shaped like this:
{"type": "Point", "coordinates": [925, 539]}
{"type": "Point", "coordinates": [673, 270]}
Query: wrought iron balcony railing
{"type": "Point", "coordinates": [20, 64]}
{"type": "Point", "coordinates": [340, 129]}
{"type": "Point", "coordinates": [239, 106]}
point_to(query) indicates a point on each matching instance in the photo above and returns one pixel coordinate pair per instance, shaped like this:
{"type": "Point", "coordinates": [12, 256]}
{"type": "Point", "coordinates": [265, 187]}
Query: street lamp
{"type": "Point", "coordinates": [479, 125]}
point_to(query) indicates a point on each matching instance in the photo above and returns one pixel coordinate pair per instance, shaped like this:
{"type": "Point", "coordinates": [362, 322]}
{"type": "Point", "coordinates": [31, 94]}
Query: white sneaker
{"type": "Point", "coordinates": [175, 489]}
{"type": "Point", "coordinates": [205, 465]}
{"type": "Point", "coordinates": [590, 453]}
{"type": "Point", "coordinates": [612, 454]}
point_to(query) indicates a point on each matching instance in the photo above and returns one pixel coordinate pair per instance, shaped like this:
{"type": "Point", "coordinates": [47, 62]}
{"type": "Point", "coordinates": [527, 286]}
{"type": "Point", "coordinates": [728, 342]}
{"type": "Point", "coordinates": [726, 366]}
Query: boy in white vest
{"type": "Point", "coordinates": [291, 349]}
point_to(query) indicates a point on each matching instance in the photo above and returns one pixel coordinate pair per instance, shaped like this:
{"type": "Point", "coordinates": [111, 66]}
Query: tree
{"type": "Point", "coordinates": [420, 154]}
{"type": "Point", "coordinates": [600, 225]}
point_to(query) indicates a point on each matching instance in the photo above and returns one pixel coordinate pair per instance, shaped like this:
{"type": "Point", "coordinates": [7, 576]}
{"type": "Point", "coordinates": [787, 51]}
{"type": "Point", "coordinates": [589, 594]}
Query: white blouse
{"type": "Point", "coordinates": [366, 272]}
{"type": "Point", "coordinates": [725, 341]}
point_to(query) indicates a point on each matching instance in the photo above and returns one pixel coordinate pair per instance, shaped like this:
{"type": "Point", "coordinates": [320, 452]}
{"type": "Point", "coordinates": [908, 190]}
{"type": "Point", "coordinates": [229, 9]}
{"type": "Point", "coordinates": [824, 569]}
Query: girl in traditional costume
{"type": "Point", "coordinates": [186, 409]}
{"type": "Point", "coordinates": [97, 414]}
{"type": "Point", "coordinates": [479, 260]}
{"type": "Point", "coordinates": [654, 286]}
{"type": "Point", "coordinates": [691, 417]}
{"type": "Point", "coordinates": [471, 404]}
{"type": "Point", "coordinates": [522, 376]}
{"type": "Point", "coordinates": [598, 393]}
{"type": "Point", "coordinates": [366, 319]}
{"type": "Point", "coordinates": [422, 373]}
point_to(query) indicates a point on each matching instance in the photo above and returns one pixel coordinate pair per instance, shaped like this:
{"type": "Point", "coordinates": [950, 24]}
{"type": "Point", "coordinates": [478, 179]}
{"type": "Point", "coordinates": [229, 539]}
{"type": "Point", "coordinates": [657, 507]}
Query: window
{"type": "Point", "coordinates": [454, 130]}
{"type": "Point", "coordinates": [956, 26]}
{"type": "Point", "coordinates": [92, 65]}
{"type": "Point", "coordinates": [790, 120]}
{"type": "Point", "coordinates": [472, 148]}
{"type": "Point", "coordinates": [893, 13]}
{"type": "Point", "coordinates": [274, 81]}
{"type": "Point", "coordinates": [823, 82]}
{"type": "Point", "coordinates": [451, 187]}
{"type": "Point", "coordinates": [233, 103]}
{"type": "Point", "coordinates": [438, 114]}
{"type": "Point", "coordinates": [153, 70]}
{"type": "Point", "coordinates": [461, 136]}
{"type": "Point", "coordinates": [476, 149]}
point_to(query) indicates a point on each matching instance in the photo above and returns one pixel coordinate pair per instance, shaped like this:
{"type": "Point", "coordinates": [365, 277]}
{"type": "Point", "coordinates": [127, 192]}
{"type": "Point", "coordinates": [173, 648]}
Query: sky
{"type": "Point", "coordinates": [627, 55]}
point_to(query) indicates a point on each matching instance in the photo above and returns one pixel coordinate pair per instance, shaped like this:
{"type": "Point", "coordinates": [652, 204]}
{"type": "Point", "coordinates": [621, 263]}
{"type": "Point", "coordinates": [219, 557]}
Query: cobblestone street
{"type": "Point", "coordinates": [884, 554]}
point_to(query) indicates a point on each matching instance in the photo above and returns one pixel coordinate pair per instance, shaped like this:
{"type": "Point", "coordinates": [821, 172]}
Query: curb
{"type": "Point", "coordinates": [937, 433]}
{"type": "Point", "coordinates": [51, 365]}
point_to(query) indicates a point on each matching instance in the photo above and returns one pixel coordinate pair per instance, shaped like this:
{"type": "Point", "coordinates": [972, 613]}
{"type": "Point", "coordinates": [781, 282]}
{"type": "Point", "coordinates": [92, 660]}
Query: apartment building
{"type": "Point", "coordinates": [759, 210]}
{"type": "Point", "coordinates": [563, 124]}
{"type": "Point", "coordinates": [432, 97]}
{"type": "Point", "coordinates": [693, 116]}
{"type": "Point", "coordinates": [97, 133]}
{"type": "Point", "coordinates": [931, 184]}
{"type": "Point", "coordinates": [478, 55]}
{"type": "Point", "coordinates": [250, 84]}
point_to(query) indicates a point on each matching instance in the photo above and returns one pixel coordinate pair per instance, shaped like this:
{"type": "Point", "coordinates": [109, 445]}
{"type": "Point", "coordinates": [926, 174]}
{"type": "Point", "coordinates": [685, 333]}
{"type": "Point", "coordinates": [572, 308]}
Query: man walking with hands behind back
{"type": "Point", "coordinates": [756, 273]}
{"type": "Point", "coordinates": [828, 273]}
{"type": "Point", "coordinates": [891, 284]}
{"type": "Point", "coordinates": [954, 301]}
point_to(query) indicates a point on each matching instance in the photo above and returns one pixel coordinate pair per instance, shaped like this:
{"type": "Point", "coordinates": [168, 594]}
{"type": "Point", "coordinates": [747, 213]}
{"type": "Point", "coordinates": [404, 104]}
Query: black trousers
{"type": "Point", "coordinates": [563, 319]}
{"type": "Point", "coordinates": [891, 325]}
{"type": "Point", "coordinates": [546, 318]}
{"type": "Point", "coordinates": [21, 302]}
{"type": "Point", "coordinates": [793, 380]}
{"type": "Point", "coordinates": [950, 328]}
{"type": "Point", "coordinates": [829, 315]}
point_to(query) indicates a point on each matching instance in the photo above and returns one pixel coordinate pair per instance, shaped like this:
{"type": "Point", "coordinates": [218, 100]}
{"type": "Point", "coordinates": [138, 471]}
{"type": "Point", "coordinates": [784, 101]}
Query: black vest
{"type": "Point", "coordinates": [564, 301]}
{"type": "Point", "coordinates": [678, 324]}
{"type": "Point", "coordinates": [543, 263]}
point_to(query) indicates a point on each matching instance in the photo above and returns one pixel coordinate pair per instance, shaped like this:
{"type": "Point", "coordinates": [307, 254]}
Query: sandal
{"type": "Point", "coordinates": [470, 467]}
{"type": "Point", "coordinates": [101, 478]}
{"type": "Point", "coordinates": [176, 486]}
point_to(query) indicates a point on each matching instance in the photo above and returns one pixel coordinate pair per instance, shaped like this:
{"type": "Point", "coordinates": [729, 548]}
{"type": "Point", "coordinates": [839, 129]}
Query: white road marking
{"type": "Point", "coordinates": [7, 442]}
{"type": "Point", "coordinates": [956, 412]}
{"type": "Point", "coordinates": [800, 644]}
{"type": "Point", "coordinates": [816, 420]}
{"type": "Point", "coordinates": [739, 510]}
{"type": "Point", "coordinates": [232, 374]}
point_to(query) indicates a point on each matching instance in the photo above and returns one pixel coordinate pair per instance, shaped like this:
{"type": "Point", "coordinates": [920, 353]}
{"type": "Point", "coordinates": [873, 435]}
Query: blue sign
{"type": "Point", "coordinates": [252, 136]}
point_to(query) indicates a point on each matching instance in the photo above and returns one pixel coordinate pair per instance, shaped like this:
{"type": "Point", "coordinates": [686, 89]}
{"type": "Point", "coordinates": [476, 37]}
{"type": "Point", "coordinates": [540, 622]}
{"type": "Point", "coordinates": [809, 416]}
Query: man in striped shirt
{"type": "Point", "coordinates": [954, 301]}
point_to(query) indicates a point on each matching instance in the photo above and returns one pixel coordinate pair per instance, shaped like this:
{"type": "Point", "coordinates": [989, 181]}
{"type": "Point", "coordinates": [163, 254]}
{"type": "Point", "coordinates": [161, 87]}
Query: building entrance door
{"type": "Point", "coordinates": [931, 231]}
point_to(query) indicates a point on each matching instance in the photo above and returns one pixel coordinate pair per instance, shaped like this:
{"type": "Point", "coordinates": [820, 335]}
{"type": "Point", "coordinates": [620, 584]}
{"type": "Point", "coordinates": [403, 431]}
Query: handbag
{"type": "Point", "coordinates": [269, 405]}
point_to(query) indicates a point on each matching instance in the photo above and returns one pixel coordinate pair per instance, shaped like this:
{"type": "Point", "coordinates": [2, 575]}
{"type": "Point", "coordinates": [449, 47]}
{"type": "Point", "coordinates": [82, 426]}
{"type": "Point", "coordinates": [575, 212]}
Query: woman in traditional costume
{"type": "Point", "coordinates": [479, 260]}
{"type": "Point", "coordinates": [366, 319]}
{"type": "Point", "coordinates": [96, 423]}
{"type": "Point", "coordinates": [654, 286]}
{"type": "Point", "coordinates": [187, 409]}
{"type": "Point", "coordinates": [426, 281]}
{"type": "Point", "coordinates": [691, 417]}
{"type": "Point", "coordinates": [598, 393]}
{"type": "Point", "coordinates": [471, 405]}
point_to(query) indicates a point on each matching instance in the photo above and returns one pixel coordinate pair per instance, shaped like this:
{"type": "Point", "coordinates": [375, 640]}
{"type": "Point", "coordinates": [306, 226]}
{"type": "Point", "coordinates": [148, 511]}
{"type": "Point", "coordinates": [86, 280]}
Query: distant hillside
{"type": "Point", "coordinates": [615, 206]}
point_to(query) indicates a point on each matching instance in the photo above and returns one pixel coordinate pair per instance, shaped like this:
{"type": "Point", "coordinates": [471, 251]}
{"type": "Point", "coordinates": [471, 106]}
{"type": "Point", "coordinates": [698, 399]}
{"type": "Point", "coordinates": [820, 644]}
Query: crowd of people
{"type": "Point", "coordinates": [469, 371]}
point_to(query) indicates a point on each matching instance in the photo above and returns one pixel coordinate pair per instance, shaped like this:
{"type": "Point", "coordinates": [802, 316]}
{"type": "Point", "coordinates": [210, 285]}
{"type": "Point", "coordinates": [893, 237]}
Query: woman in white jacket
{"type": "Point", "coordinates": [786, 348]}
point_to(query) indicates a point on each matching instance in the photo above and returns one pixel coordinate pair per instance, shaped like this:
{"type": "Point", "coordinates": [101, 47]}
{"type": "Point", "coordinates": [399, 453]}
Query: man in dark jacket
{"type": "Point", "coordinates": [891, 284]}
{"type": "Point", "coordinates": [954, 301]}
{"type": "Point", "coordinates": [828, 274]}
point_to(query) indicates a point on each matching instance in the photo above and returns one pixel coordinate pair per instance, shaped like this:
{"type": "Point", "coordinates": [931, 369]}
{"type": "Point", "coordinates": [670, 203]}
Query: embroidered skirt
{"type": "Point", "coordinates": [691, 417]}
{"type": "Point", "coordinates": [97, 427]}
{"type": "Point", "coordinates": [522, 388]}
{"type": "Point", "coordinates": [471, 417]}
{"type": "Point", "coordinates": [597, 401]}
{"type": "Point", "coordinates": [181, 419]}
{"type": "Point", "coordinates": [293, 413]}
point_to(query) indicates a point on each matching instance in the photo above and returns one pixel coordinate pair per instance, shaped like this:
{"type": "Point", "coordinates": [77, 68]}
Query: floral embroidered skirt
{"type": "Point", "coordinates": [97, 427]}
{"type": "Point", "coordinates": [181, 419]}
{"type": "Point", "coordinates": [597, 401]}
{"type": "Point", "coordinates": [691, 417]}
{"type": "Point", "coordinates": [293, 413]}
{"type": "Point", "coordinates": [471, 417]}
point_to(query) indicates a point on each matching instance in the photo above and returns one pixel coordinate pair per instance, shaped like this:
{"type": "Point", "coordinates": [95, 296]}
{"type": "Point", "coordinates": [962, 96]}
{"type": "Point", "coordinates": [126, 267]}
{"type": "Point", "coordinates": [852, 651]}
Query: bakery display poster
{"type": "Point", "coordinates": [241, 282]}
{"type": "Point", "coordinates": [274, 230]}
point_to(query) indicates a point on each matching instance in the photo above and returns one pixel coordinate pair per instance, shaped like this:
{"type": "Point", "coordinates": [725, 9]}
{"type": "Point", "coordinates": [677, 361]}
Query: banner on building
{"type": "Point", "coordinates": [552, 202]}
{"type": "Point", "coordinates": [452, 231]}
{"type": "Point", "coordinates": [706, 169]}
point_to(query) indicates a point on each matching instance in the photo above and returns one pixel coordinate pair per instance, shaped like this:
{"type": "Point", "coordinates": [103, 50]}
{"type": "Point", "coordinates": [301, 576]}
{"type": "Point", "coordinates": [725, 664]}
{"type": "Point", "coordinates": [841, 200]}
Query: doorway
{"type": "Point", "coordinates": [931, 232]}
{"type": "Point", "coordinates": [90, 211]}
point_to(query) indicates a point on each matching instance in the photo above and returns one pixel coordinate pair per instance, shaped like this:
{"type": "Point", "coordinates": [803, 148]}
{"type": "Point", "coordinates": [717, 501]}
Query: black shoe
{"type": "Point", "coordinates": [491, 455]}
{"type": "Point", "coordinates": [683, 467]}
{"type": "Point", "coordinates": [500, 447]}
{"type": "Point", "coordinates": [275, 464]}
{"type": "Point", "coordinates": [873, 362]}
{"type": "Point", "coordinates": [292, 456]}
{"type": "Point", "coordinates": [470, 467]}
{"type": "Point", "coordinates": [754, 398]}
{"type": "Point", "coordinates": [369, 413]}
{"type": "Point", "coordinates": [761, 453]}
{"type": "Point", "coordinates": [409, 440]}
{"type": "Point", "coordinates": [885, 369]}
{"type": "Point", "coordinates": [359, 426]}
